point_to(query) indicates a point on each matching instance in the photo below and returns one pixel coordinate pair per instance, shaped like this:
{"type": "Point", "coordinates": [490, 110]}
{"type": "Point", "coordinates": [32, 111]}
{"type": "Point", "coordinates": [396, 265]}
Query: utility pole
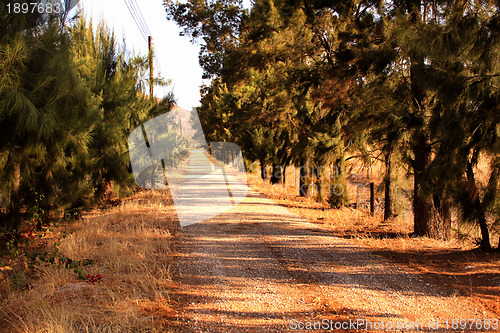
{"type": "Point", "coordinates": [150, 42]}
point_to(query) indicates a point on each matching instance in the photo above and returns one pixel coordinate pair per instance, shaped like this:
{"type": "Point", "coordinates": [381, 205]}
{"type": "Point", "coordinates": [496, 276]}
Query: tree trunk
{"type": "Point", "coordinates": [304, 175]}
{"type": "Point", "coordinates": [13, 218]}
{"type": "Point", "coordinates": [263, 173]}
{"type": "Point", "coordinates": [277, 175]}
{"type": "Point", "coordinates": [422, 203]}
{"type": "Point", "coordinates": [388, 212]}
{"type": "Point", "coordinates": [441, 226]}
{"type": "Point", "coordinates": [479, 213]}
{"type": "Point", "coordinates": [317, 183]}
{"type": "Point", "coordinates": [485, 235]}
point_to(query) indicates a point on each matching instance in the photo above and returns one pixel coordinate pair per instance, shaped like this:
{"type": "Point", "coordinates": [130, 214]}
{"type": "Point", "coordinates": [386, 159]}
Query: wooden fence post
{"type": "Point", "coordinates": [372, 198]}
{"type": "Point", "coordinates": [357, 196]}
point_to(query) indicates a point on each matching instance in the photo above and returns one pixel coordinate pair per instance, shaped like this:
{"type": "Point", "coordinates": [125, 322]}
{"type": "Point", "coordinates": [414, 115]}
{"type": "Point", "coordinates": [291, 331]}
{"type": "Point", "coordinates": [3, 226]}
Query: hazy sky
{"type": "Point", "coordinates": [177, 56]}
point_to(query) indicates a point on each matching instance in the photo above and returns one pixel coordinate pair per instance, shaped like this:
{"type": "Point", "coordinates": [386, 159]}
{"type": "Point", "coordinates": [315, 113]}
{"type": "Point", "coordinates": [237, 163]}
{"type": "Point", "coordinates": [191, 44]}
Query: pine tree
{"type": "Point", "coordinates": [215, 24]}
{"type": "Point", "coordinates": [46, 118]}
{"type": "Point", "coordinates": [430, 92]}
{"type": "Point", "coordinates": [122, 106]}
{"type": "Point", "coordinates": [68, 100]}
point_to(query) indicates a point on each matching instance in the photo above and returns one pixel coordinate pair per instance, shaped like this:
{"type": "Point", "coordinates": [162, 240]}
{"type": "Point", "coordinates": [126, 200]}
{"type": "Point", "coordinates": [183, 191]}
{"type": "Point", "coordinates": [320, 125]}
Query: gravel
{"type": "Point", "coordinates": [258, 267]}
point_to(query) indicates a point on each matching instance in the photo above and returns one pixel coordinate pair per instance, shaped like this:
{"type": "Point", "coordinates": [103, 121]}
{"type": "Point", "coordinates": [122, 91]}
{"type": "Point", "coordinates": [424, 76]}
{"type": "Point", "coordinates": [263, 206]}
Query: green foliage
{"type": "Point", "coordinates": [55, 257]}
{"type": "Point", "coordinates": [119, 108]}
{"type": "Point", "coordinates": [46, 118]}
{"type": "Point", "coordinates": [69, 98]}
{"type": "Point", "coordinates": [11, 248]}
{"type": "Point", "coordinates": [19, 279]}
{"type": "Point", "coordinates": [309, 82]}
{"type": "Point", "coordinates": [215, 23]}
{"type": "Point", "coordinates": [338, 193]}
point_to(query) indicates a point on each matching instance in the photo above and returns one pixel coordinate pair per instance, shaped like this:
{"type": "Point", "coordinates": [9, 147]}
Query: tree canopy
{"type": "Point", "coordinates": [308, 82]}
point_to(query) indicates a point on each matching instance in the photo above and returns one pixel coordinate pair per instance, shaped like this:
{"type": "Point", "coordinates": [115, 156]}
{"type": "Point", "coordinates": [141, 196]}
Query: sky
{"type": "Point", "coordinates": [178, 58]}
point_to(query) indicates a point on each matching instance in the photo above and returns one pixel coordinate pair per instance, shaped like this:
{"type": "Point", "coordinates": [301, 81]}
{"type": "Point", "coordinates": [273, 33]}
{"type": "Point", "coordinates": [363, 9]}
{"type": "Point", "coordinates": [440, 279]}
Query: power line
{"type": "Point", "coordinates": [136, 13]}
{"type": "Point", "coordinates": [145, 26]}
{"type": "Point", "coordinates": [132, 12]}
{"type": "Point", "coordinates": [141, 18]}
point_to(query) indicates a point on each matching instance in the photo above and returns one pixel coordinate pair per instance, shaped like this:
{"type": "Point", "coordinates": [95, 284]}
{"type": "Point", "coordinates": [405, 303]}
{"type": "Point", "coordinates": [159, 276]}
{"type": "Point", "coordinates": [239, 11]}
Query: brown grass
{"type": "Point", "coordinates": [352, 223]}
{"type": "Point", "coordinates": [358, 223]}
{"type": "Point", "coordinates": [345, 222]}
{"type": "Point", "coordinates": [132, 246]}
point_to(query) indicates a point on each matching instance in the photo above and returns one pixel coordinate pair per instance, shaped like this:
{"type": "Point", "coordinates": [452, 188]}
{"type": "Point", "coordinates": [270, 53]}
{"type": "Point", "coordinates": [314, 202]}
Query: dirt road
{"type": "Point", "coordinates": [260, 268]}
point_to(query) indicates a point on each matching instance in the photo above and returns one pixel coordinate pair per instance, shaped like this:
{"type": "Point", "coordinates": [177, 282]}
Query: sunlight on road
{"type": "Point", "coordinates": [206, 189]}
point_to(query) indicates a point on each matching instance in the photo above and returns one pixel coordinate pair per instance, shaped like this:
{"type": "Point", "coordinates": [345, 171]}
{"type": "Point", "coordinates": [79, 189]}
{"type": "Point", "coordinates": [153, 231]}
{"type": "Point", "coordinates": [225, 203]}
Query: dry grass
{"type": "Point", "coordinates": [358, 223]}
{"type": "Point", "coordinates": [345, 222]}
{"type": "Point", "coordinates": [132, 246]}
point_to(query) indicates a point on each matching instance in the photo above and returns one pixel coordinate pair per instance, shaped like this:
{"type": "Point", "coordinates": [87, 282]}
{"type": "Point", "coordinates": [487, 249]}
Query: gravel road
{"type": "Point", "coordinates": [260, 268]}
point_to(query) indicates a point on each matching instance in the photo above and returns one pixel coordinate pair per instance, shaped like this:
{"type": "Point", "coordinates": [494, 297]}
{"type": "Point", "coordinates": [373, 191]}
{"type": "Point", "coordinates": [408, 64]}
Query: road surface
{"type": "Point", "coordinates": [260, 268]}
